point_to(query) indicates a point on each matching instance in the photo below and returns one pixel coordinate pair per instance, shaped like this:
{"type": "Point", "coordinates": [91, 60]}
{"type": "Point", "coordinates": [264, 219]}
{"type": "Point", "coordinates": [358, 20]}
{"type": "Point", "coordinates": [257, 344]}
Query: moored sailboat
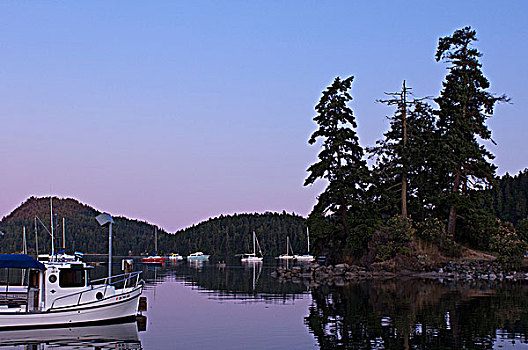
{"type": "Point", "coordinates": [252, 257]}
{"type": "Point", "coordinates": [154, 259]}
{"type": "Point", "coordinates": [306, 257]}
{"type": "Point", "coordinates": [287, 256]}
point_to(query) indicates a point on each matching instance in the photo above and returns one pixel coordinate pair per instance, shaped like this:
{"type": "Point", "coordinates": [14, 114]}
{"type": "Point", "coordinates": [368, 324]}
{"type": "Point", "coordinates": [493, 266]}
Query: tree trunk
{"type": "Point", "coordinates": [451, 223]}
{"type": "Point", "coordinates": [404, 168]}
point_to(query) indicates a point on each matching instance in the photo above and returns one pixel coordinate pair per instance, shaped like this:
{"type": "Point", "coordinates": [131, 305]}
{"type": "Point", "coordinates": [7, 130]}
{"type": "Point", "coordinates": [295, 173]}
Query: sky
{"type": "Point", "coordinates": [173, 112]}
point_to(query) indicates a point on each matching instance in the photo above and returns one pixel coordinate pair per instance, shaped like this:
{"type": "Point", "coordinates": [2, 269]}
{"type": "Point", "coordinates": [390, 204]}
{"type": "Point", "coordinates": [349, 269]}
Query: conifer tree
{"type": "Point", "coordinates": [464, 106]}
{"type": "Point", "coordinates": [404, 156]}
{"type": "Point", "coordinates": [340, 162]}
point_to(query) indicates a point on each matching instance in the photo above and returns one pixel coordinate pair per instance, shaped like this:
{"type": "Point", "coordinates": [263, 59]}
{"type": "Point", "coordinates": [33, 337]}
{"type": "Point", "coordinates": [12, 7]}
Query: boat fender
{"type": "Point", "coordinates": [142, 304]}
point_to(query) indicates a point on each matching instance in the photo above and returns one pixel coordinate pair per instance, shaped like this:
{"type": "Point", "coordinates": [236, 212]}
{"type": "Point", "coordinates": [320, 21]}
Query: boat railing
{"type": "Point", "coordinates": [130, 280]}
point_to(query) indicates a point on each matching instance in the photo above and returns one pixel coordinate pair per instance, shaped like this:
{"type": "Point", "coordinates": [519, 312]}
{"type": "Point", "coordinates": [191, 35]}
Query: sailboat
{"type": "Point", "coordinates": [289, 249]}
{"type": "Point", "coordinates": [305, 257]}
{"type": "Point", "coordinates": [154, 259]}
{"type": "Point", "coordinates": [252, 257]}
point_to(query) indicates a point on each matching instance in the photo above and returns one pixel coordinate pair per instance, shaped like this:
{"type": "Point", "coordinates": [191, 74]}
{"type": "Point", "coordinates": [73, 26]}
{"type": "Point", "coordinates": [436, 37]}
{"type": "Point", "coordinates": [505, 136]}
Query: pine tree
{"type": "Point", "coordinates": [404, 156]}
{"type": "Point", "coordinates": [464, 106]}
{"type": "Point", "coordinates": [340, 162]}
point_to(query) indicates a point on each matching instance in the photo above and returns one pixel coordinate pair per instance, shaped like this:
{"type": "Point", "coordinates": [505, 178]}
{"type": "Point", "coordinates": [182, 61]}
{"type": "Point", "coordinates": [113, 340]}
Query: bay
{"type": "Point", "coordinates": [230, 305]}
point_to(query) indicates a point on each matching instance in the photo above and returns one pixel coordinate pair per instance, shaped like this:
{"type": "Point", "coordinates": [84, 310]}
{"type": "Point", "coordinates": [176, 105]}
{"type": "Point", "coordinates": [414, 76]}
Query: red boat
{"type": "Point", "coordinates": [153, 259]}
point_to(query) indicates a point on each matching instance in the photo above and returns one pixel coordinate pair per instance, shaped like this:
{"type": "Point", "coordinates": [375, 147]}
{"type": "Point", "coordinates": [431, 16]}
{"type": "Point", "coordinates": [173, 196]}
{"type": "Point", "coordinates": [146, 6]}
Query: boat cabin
{"type": "Point", "coordinates": [21, 283]}
{"type": "Point", "coordinates": [29, 285]}
{"type": "Point", "coordinates": [63, 279]}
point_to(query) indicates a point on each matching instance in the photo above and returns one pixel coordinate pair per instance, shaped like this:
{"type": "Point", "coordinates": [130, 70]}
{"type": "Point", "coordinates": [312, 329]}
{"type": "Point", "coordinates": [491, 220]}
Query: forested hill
{"type": "Point", "coordinates": [232, 234]}
{"type": "Point", "coordinates": [510, 197]}
{"type": "Point", "coordinates": [218, 236]}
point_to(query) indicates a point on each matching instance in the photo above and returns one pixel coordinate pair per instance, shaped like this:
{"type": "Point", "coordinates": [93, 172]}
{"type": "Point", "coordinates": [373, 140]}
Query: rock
{"type": "Point", "coordinates": [351, 275]}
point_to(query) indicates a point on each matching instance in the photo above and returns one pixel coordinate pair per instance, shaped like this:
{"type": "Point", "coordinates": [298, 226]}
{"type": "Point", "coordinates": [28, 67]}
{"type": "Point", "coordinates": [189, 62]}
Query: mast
{"type": "Point", "coordinates": [155, 241]}
{"type": "Point", "coordinates": [52, 237]}
{"type": "Point", "coordinates": [287, 245]}
{"type": "Point", "coordinates": [36, 237]}
{"type": "Point", "coordinates": [254, 244]}
{"type": "Point", "coordinates": [24, 242]}
{"type": "Point", "coordinates": [308, 237]}
{"type": "Point", "coordinates": [63, 237]}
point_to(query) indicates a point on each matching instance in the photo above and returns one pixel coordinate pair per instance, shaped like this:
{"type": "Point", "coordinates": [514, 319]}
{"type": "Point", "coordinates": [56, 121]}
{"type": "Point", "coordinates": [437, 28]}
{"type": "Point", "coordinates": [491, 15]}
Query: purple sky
{"type": "Point", "coordinates": [173, 112]}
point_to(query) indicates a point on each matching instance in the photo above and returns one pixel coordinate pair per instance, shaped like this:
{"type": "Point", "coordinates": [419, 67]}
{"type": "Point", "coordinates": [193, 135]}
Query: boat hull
{"type": "Point", "coordinates": [118, 307]}
{"type": "Point", "coordinates": [153, 260]}
{"type": "Point", "coordinates": [306, 258]}
{"type": "Point", "coordinates": [286, 257]}
{"type": "Point", "coordinates": [198, 258]}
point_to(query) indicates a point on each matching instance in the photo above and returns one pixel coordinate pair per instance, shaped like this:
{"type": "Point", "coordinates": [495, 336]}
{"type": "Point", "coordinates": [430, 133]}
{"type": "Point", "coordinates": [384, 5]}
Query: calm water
{"type": "Point", "coordinates": [204, 306]}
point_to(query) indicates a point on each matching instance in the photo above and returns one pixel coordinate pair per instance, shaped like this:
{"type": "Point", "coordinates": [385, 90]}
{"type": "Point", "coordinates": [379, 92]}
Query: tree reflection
{"type": "Point", "coordinates": [403, 314]}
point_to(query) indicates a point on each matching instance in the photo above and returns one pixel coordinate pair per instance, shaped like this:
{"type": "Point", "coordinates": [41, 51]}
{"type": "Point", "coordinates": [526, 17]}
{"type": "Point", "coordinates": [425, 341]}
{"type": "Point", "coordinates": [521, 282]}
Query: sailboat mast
{"type": "Point", "coordinates": [156, 240]}
{"type": "Point", "coordinates": [52, 237]}
{"type": "Point", "coordinates": [36, 236]}
{"type": "Point", "coordinates": [24, 242]}
{"type": "Point", "coordinates": [287, 245]}
{"type": "Point", "coordinates": [308, 237]}
{"type": "Point", "coordinates": [254, 244]}
{"type": "Point", "coordinates": [63, 236]}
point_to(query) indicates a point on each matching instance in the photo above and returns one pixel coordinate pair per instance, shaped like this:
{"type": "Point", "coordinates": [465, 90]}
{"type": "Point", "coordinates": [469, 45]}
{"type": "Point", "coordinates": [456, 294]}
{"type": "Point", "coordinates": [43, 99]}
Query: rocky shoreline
{"type": "Point", "coordinates": [465, 271]}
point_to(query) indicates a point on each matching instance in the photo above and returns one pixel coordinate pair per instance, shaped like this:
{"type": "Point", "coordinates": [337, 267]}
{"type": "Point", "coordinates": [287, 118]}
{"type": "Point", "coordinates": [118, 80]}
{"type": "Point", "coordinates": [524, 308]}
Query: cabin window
{"type": "Point", "coordinates": [71, 278]}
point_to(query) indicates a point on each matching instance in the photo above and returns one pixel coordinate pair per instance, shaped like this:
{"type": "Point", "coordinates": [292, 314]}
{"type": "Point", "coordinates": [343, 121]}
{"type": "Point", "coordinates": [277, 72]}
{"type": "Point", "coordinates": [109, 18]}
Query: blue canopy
{"type": "Point", "coordinates": [20, 261]}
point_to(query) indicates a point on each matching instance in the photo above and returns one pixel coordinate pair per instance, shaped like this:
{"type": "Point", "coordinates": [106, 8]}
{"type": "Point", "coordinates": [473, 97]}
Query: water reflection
{"type": "Point", "coordinates": [227, 279]}
{"type": "Point", "coordinates": [403, 314]}
{"type": "Point", "coordinates": [121, 336]}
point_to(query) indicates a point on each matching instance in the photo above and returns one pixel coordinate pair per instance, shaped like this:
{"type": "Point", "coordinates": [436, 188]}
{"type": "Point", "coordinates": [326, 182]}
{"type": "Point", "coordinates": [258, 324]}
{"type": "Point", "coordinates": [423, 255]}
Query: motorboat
{"type": "Point", "coordinates": [175, 257]}
{"type": "Point", "coordinates": [58, 293]}
{"type": "Point", "coordinates": [198, 256]}
{"type": "Point", "coordinates": [253, 257]}
{"type": "Point", "coordinates": [153, 259]}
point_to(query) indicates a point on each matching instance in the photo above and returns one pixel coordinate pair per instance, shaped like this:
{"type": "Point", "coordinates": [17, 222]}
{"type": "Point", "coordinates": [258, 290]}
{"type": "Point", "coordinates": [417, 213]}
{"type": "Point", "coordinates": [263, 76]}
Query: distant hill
{"type": "Point", "coordinates": [232, 234]}
{"type": "Point", "coordinates": [224, 235]}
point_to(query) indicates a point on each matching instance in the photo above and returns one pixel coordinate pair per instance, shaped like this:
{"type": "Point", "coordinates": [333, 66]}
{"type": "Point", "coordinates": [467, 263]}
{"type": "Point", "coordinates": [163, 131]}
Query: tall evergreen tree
{"type": "Point", "coordinates": [404, 155]}
{"type": "Point", "coordinates": [464, 106]}
{"type": "Point", "coordinates": [340, 162]}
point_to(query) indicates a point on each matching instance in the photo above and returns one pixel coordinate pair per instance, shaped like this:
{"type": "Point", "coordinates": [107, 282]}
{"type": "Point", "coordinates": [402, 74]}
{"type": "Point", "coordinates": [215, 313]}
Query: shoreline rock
{"type": "Point", "coordinates": [464, 271]}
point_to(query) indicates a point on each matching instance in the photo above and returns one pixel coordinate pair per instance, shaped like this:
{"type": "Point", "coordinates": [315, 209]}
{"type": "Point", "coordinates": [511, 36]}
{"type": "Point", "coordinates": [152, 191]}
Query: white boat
{"type": "Point", "coordinates": [306, 257]}
{"type": "Point", "coordinates": [175, 257]}
{"type": "Point", "coordinates": [198, 256]}
{"type": "Point", "coordinates": [253, 257]}
{"type": "Point", "coordinates": [287, 256]}
{"type": "Point", "coordinates": [59, 293]}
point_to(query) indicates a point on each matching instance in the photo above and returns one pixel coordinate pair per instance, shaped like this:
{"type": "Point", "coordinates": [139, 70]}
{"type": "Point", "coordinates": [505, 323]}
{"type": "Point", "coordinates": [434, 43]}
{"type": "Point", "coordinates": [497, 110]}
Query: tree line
{"type": "Point", "coordinates": [225, 235]}
{"type": "Point", "coordinates": [430, 178]}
